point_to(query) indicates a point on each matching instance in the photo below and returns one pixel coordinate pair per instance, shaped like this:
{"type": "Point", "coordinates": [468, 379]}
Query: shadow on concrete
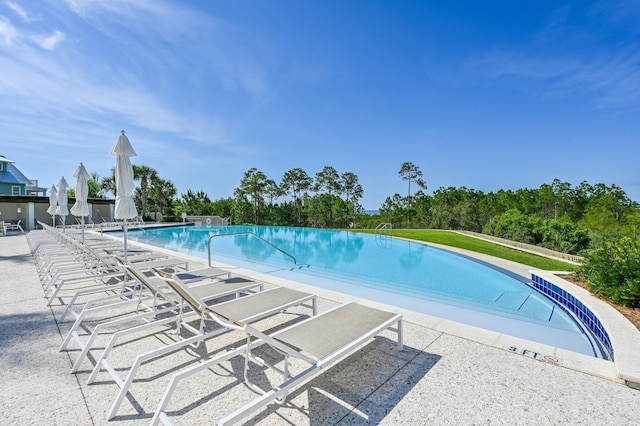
{"type": "Point", "coordinates": [18, 258]}
{"type": "Point", "coordinates": [15, 329]}
{"type": "Point", "coordinates": [361, 389]}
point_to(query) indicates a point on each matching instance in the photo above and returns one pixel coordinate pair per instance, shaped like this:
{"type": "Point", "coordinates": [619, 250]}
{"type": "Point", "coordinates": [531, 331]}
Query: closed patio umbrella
{"type": "Point", "coordinates": [125, 207]}
{"type": "Point", "coordinates": [53, 203]}
{"type": "Point", "coordinates": [81, 207]}
{"type": "Point", "coordinates": [63, 200]}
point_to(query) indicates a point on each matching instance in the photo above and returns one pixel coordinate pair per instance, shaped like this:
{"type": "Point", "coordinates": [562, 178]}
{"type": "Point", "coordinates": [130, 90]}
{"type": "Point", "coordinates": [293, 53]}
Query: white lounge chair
{"type": "Point", "coordinates": [320, 341]}
{"type": "Point", "coordinates": [149, 305]}
{"type": "Point", "coordinates": [249, 308]}
{"type": "Point", "coordinates": [66, 260]}
{"type": "Point", "coordinates": [14, 226]}
{"type": "Point", "coordinates": [111, 264]}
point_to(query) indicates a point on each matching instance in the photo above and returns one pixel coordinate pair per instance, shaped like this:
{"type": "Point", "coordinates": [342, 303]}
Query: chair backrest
{"type": "Point", "coordinates": [139, 276]}
{"type": "Point", "coordinates": [182, 290]}
{"type": "Point", "coordinates": [101, 260]}
{"type": "Point", "coordinates": [196, 303]}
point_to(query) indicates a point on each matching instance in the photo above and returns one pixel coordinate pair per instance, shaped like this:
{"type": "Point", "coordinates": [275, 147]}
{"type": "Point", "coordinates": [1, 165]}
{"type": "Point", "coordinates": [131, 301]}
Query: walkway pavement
{"type": "Point", "coordinates": [440, 378]}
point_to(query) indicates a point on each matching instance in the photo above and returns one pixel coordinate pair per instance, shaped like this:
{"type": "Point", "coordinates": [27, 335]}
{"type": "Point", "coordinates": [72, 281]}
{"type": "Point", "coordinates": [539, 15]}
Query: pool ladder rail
{"type": "Point", "coordinates": [384, 229]}
{"type": "Point", "coordinates": [246, 233]}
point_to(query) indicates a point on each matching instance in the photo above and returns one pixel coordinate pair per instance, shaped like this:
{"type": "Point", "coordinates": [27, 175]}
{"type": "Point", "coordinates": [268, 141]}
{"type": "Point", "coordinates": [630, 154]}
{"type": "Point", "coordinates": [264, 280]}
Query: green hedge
{"type": "Point", "coordinates": [612, 271]}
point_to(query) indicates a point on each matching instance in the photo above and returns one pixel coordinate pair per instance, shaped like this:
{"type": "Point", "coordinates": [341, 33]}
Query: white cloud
{"type": "Point", "coordinates": [611, 80]}
{"type": "Point", "coordinates": [518, 64]}
{"type": "Point", "coordinates": [61, 90]}
{"type": "Point", "coordinates": [234, 56]}
{"type": "Point", "coordinates": [567, 60]}
{"type": "Point", "coordinates": [150, 18]}
{"type": "Point", "coordinates": [50, 42]}
{"type": "Point", "coordinates": [79, 86]}
{"type": "Point", "coordinates": [117, 65]}
{"type": "Point", "coordinates": [7, 31]}
{"type": "Point", "coordinates": [18, 10]}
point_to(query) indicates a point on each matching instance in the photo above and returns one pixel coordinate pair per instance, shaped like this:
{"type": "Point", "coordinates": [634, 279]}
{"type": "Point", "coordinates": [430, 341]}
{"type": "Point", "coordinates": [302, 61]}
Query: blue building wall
{"type": "Point", "coordinates": [12, 181]}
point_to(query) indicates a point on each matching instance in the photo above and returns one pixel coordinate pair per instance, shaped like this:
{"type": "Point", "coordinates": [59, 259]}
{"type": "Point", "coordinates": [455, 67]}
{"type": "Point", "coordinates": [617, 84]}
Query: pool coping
{"type": "Point", "coordinates": [624, 369]}
{"type": "Point", "coordinates": [624, 336]}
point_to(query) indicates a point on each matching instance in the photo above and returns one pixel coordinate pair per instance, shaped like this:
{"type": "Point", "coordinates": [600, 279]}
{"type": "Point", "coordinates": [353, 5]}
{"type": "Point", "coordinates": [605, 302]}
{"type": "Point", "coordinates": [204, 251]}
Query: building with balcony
{"type": "Point", "coordinates": [14, 182]}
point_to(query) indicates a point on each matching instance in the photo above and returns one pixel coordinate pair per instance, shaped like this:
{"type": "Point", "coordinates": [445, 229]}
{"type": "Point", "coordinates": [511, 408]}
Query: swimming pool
{"type": "Point", "coordinates": [402, 273]}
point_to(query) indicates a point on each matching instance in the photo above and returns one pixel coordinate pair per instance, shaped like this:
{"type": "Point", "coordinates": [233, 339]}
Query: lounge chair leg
{"type": "Point", "coordinates": [140, 359]}
{"type": "Point", "coordinates": [83, 353]}
{"type": "Point", "coordinates": [262, 401]}
{"type": "Point", "coordinates": [69, 335]}
{"type": "Point", "coordinates": [114, 338]}
{"type": "Point", "coordinates": [176, 378]}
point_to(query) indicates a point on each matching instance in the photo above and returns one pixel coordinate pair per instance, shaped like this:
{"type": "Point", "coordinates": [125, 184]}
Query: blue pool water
{"type": "Point", "coordinates": [397, 272]}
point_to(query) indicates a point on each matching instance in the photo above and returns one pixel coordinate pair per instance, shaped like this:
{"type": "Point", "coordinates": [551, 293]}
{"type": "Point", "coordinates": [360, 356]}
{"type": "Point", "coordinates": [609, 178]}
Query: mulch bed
{"type": "Point", "coordinates": [631, 314]}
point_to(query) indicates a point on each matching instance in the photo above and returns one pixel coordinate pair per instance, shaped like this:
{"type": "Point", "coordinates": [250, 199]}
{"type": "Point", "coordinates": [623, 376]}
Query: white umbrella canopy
{"type": "Point", "coordinates": [125, 207]}
{"type": "Point", "coordinates": [81, 207]}
{"type": "Point", "coordinates": [63, 200]}
{"type": "Point", "coordinates": [53, 203]}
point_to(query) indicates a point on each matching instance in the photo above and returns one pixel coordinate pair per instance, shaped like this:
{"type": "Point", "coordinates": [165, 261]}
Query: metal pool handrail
{"type": "Point", "coordinates": [384, 229]}
{"type": "Point", "coordinates": [250, 233]}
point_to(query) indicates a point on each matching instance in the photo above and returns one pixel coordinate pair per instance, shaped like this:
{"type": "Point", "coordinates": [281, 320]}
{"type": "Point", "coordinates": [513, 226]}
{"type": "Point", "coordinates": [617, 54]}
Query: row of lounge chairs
{"type": "Point", "coordinates": [113, 296]}
{"type": "Point", "coordinates": [103, 225]}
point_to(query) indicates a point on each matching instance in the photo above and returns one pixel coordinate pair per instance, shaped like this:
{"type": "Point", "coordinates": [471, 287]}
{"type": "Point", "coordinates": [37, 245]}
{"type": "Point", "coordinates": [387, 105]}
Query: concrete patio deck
{"type": "Point", "coordinates": [448, 373]}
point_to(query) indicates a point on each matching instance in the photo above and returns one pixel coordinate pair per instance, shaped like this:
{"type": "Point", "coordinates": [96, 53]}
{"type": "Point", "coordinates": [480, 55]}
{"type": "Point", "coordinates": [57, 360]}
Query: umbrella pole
{"type": "Point", "coordinates": [124, 229]}
{"type": "Point", "coordinates": [82, 224]}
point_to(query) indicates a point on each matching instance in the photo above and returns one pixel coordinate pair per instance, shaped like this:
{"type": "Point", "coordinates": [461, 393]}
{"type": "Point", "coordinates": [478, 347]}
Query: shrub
{"type": "Point", "coordinates": [612, 271]}
{"type": "Point", "coordinates": [563, 236]}
{"type": "Point", "coordinates": [171, 219]}
{"type": "Point", "coordinates": [514, 225]}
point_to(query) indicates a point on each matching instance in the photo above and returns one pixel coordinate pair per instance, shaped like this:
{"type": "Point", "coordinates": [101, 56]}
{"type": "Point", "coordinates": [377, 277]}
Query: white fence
{"type": "Point", "coordinates": [571, 258]}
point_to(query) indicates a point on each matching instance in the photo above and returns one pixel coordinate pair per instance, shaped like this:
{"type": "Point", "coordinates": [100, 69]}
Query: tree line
{"type": "Point", "coordinates": [597, 221]}
{"type": "Point", "coordinates": [328, 199]}
{"type": "Point", "coordinates": [557, 216]}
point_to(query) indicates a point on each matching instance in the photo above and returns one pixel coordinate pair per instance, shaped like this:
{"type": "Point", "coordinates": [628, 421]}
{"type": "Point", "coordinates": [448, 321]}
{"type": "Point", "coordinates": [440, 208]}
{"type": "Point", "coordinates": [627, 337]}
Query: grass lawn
{"type": "Point", "coordinates": [449, 238]}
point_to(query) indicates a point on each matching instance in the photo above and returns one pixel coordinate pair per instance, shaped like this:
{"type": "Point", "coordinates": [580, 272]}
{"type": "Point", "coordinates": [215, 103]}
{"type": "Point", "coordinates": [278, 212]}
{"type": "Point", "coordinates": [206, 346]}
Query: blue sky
{"type": "Point", "coordinates": [488, 95]}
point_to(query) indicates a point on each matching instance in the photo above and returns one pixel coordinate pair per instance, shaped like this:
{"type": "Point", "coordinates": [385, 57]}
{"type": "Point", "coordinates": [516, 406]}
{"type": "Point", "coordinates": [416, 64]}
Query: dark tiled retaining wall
{"type": "Point", "coordinates": [577, 308]}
